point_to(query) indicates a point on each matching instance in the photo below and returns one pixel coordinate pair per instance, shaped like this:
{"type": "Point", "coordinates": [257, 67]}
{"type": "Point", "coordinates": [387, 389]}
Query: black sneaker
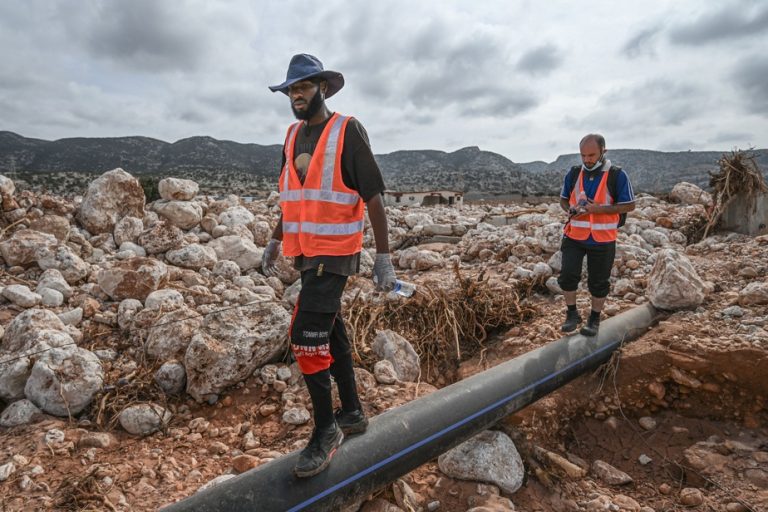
{"type": "Point", "coordinates": [353, 422]}
{"type": "Point", "coordinates": [572, 321]}
{"type": "Point", "coordinates": [590, 328]}
{"type": "Point", "coordinates": [319, 451]}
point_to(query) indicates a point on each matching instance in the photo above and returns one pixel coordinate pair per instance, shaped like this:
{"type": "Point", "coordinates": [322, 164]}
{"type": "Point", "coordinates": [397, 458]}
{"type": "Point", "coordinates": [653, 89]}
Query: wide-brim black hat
{"type": "Point", "coordinates": [303, 67]}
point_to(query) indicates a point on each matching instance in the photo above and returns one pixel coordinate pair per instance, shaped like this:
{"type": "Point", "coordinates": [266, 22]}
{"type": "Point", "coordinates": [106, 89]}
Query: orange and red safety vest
{"type": "Point", "coordinates": [603, 227]}
{"type": "Point", "coordinates": [322, 216]}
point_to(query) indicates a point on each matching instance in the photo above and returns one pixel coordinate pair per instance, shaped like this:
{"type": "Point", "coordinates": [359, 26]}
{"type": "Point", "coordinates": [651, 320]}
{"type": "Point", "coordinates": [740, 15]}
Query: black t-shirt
{"type": "Point", "coordinates": [359, 171]}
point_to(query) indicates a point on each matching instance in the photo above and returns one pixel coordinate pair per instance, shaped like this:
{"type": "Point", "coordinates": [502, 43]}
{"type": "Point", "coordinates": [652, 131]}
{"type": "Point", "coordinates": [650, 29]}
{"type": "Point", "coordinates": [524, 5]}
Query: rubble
{"type": "Point", "coordinates": [141, 344]}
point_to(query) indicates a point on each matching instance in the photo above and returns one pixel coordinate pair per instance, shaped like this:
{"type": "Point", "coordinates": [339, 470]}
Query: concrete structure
{"type": "Point", "coordinates": [747, 215]}
{"type": "Point", "coordinates": [431, 198]}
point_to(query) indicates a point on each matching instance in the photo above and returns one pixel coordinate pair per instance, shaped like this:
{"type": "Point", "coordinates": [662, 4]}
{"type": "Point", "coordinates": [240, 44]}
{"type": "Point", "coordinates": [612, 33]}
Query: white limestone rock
{"type": "Point", "coordinates": [177, 189]}
{"type": "Point", "coordinates": [688, 193]}
{"type": "Point", "coordinates": [23, 246]}
{"type": "Point", "coordinates": [182, 214]}
{"type": "Point", "coordinates": [54, 280]}
{"type": "Point", "coordinates": [21, 295]}
{"type": "Point", "coordinates": [390, 346]}
{"type": "Point", "coordinates": [673, 283]}
{"type": "Point", "coordinates": [20, 412]}
{"type": "Point", "coordinates": [63, 259]}
{"type": "Point", "coordinates": [126, 311]}
{"type": "Point", "coordinates": [65, 381]}
{"type": "Point", "coordinates": [166, 299]}
{"type": "Point", "coordinates": [109, 198]}
{"type": "Point", "coordinates": [241, 251]}
{"type": "Point", "coordinates": [232, 344]}
{"type": "Point", "coordinates": [754, 293]}
{"type": "Point", "coordinates": [144, 419]}
{"type": "Point", "coordinates": [193, 256]}
{"type": "Point", "coordinates": [128, 229]}
{"type": "Point", "coordinates": [170, 335]}
{"type": "Point", "coordinates": [162, 236]}
{"type": "Point", "coordinates": [490, 457]}
{"type": "Point", "coordinates": [236, 215]}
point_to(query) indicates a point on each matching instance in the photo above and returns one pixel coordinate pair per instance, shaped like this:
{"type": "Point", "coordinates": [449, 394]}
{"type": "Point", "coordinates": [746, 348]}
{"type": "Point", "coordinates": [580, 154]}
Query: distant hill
{"type": "Point", "coordinates": [66, 165]}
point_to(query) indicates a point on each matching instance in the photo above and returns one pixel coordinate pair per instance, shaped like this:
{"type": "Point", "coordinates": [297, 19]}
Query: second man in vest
{"type": "Point", "coordinates": [594, 210]}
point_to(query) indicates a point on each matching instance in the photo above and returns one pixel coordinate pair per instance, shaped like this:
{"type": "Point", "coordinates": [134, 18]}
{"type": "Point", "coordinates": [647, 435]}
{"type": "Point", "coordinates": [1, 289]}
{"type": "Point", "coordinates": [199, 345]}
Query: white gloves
{"type": "Point", "coordinates": [268, 259]}
{"type": "Point", "coordinates": [383, 272]}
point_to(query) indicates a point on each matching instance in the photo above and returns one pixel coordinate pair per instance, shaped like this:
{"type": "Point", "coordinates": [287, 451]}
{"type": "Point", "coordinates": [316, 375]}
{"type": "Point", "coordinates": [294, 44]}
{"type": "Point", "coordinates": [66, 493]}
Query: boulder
{"type": "Point", "coordinates": [133, 279]}
{"type": "Point", "coordinates": [194, 256]}
{"type": "Point", "coordinates": [177, 189]}
{"type": "Point", "coordinates": [236, 216]}
{"type": "Point", "coordinates": [63, 259]}
{"type": "Point", "coordinates": [170, 335]}
{"type": "Point", "coordinates": [673, 283]}
{"type": "Point", "coordinates": [21, 296]}
{"type": "Point", "coordinates": [64, 382]}
{"type": "Point", "coordinates": [755, 292]}
{"type": "Point", "coordinates": [22, 248]}
{"type": "Point", "coordinates": [182, 214]}
{"type": "Point", "coordinates": [171, 377]}
{"type": "Point", "coordinates": [128, 229]}
{"type": "Point", "coordinates": [54, 280]}
{"type": "Point", "coordinates": [109, 198]}
{"type": "Point", "coordinates": [143, 419]}
{"type": "Point", "coordinates": [232, 344]}
{"type": "Point", "coordinates": [162, 236]}
{"type": "Point", "coordinates": [688, 193]}
{"type": "Point", "coordinates": [390, 346]}
{"type": "Point", "coordinates": [241, 251]}
{"type": "Point", "coordinates": [490, 457]}
{"type": "Point", "coordinates": [21, 412]}
{"type": "Point", "coordinates": [166, 299]}
{"type": "Point", "coordinates": [55, 225]}
{"type": "Point", "coordinates": [26, 322]}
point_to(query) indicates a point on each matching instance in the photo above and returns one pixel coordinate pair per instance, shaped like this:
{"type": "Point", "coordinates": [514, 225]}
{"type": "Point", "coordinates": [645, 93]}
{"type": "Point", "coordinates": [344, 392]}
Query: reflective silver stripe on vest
{"type": "Point", "coordinates": [329, 160]}
{"type": "Point", "coordinates": [604, 227]}
{"type": "Point", "coordinates": [290, 195]}
{"type": "Point", "coordinates": [290, 227]}
{"type": "Point", "coordinates": [331, 196]}
{"type": "Point", "coordinates": [580, 223]}
{"type": "Point", "coordinates": [349, 228]}
{"type": "Point", "coordinates": [288, 151]}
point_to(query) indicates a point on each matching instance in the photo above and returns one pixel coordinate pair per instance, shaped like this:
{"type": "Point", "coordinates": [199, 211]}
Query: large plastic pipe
{"type": "Point", "coordinates": [404, 438]}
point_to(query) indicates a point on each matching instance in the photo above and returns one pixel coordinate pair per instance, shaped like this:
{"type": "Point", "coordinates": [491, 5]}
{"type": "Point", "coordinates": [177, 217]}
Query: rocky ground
{"type": "Point", "coordinates": [141, 352]}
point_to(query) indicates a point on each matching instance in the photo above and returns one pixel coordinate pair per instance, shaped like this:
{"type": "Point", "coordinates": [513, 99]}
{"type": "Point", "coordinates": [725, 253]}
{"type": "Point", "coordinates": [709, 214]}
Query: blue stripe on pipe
{"type": "Point", "coordinates": [436, 435]}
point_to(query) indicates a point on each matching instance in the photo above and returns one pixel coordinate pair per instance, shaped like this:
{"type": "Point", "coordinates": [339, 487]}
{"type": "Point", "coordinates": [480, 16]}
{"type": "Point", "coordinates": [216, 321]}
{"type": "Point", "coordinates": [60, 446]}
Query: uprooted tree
{"type": "Point", "coordinates": [738, 177]}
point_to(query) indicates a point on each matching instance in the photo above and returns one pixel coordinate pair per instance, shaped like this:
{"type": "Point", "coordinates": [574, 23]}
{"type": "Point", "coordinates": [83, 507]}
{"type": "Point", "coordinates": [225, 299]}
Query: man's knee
{"type": "Point", "coordinates": [568, 282]}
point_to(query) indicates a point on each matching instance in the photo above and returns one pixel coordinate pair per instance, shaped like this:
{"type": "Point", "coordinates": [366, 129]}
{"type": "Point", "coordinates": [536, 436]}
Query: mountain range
{"type": "Point", "coordinates": [252, 168]}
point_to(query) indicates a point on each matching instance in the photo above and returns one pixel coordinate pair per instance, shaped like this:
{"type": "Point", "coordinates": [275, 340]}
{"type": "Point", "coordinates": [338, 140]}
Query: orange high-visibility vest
{"type": "Point", "coordinates": [322, 217]}
{"type": "Point", "coordinates": [604, 227]}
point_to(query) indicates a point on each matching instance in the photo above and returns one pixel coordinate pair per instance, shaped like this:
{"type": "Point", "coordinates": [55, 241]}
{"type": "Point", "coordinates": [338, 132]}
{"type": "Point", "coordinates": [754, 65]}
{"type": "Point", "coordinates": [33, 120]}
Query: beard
{"type": "Point", "coordinates": [314, 106]}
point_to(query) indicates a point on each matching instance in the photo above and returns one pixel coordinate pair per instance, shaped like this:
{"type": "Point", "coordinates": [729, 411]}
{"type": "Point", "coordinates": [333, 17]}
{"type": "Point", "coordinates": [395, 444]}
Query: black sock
{"type": "Point", "coordinates": [572, 307]}
{"type": "Point", "coordinates": [594, 317]}
{"type": "Point", "coordinates": [319, 385]}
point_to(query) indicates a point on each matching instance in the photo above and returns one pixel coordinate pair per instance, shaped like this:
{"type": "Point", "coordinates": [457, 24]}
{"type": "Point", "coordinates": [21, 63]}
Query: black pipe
{"type": "Point", "coordinates": [402, 439]}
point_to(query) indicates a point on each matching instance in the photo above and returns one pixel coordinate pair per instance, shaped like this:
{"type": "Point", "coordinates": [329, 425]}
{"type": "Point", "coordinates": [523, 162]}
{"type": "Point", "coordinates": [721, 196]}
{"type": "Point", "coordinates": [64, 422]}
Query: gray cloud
{"type": "Point", "coordinates": [144, 35]}
{"type": "Point", "coordinates": [541, 60]}
{"type": "Point", "coordinates": [752, 76]}
{"type": "Point", "coordinates": [641, 43]}
{"type": "Point", "coordinates": [735, 21]}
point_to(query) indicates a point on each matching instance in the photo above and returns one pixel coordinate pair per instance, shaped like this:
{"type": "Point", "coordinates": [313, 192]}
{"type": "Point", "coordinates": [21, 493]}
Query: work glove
{"type": "Point", "coordinates": [268, 259]}
{"type": "Point", "coordinates": [383, 272]}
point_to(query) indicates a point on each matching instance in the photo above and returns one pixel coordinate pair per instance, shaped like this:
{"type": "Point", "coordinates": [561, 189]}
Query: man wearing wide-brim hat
{"type": "Point", "coordinates": [328, 177]}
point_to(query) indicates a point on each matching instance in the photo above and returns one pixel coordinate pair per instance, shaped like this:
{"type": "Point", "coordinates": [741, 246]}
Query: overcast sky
{"type": "Point", "coordinates": [525, 79]}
